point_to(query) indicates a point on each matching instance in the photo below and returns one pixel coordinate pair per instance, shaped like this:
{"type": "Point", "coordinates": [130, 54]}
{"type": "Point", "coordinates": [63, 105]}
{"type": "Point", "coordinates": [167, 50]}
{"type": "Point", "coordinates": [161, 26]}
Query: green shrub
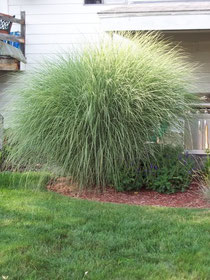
{"type": "Point", "coordinates": [170, 170]}
{"type": "Point", "coordinates": [206, 178]}
{"type": "Point", "coordinates": [4, 152]}
{"type": "Point", "coordinates": [85, 114]}
{"type": "Point", "coordinates": [131, 177]}
{"type": "Point", "coordinates": [207, 166]}
{"type": "Point", "coordinates": [206, 189]}
{"type": "Point", "coordinates": [3, 156]}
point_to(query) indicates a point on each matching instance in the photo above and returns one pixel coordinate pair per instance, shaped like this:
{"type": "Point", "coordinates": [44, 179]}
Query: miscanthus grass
{"type": "Point", "coordinates": [89, 112]}
{"type": "Point", "coordinates": [206, 189]}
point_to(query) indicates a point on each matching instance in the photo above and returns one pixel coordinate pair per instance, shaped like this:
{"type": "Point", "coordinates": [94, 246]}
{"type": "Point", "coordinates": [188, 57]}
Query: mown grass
{"type": "Point", "coordinates": [28, 180]}
{"type": "Point", "coordinates": [44, 235]}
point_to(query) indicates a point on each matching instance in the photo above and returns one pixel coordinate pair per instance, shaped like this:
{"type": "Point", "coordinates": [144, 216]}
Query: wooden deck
{"type": "Point", "coordinates": [9, 64]}
{"type": "Point", "coordinates": [9, 55]}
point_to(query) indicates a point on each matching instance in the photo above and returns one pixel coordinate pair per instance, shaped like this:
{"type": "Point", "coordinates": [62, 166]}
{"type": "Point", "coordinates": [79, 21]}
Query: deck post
{"type": "Point", "coordinates": [23, 32]}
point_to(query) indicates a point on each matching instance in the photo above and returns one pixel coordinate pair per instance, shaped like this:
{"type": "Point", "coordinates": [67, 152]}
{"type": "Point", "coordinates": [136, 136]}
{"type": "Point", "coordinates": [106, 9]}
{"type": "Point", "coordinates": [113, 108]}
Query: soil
{"type": "Point", "coordinates": [192, 198]}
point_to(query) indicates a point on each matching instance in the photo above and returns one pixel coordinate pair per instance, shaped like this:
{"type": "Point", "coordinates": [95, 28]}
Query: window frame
{"type": "Point", "coordinates": [102, 2]}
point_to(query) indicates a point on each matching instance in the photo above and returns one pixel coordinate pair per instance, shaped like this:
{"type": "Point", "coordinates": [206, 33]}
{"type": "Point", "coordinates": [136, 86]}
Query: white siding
{"type": "Point", "coordinates": [57, 26]}
{"type": "Point", "coordinates": [4, 6]}
{"type": "Point", "coordinates": [54, 26]}
{"type": "Point", "coordinates": [5, 81]}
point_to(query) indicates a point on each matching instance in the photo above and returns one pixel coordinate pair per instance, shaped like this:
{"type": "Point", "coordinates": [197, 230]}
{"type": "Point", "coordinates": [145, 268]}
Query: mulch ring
{"type": "Point", "coordinates": [192, 198]}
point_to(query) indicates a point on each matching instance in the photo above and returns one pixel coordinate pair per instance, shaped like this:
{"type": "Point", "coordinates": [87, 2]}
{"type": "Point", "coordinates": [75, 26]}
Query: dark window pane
{"type": "Point", "coordinates": [93, 1]}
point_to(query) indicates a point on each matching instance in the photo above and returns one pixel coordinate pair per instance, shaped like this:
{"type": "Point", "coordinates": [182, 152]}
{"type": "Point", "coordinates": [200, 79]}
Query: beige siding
{"type": "Point", "coordinates": [197, 46]}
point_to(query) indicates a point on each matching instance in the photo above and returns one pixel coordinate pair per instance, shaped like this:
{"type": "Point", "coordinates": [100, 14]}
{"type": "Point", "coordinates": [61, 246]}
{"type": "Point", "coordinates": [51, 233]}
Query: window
{"type": "Point", "coordinates": [93, 1]}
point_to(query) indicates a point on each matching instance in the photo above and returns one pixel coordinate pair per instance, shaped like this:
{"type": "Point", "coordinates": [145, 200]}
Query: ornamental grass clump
{"type": "Point", "coordinates": [206, 177]}
{"type": "Point", "coordinates": [85, 114]}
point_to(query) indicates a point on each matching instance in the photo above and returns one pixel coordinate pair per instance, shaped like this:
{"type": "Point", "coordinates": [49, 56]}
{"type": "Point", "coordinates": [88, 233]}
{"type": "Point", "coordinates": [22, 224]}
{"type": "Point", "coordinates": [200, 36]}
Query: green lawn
{"type": "Point", "coordinates": [47, 236]}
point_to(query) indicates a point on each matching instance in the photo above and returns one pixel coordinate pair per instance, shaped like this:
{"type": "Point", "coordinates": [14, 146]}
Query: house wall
{"type": "Point", "coordinates": [52, 27]}
{"type": "Point", "coordinates": [197, 47]}
{"type": "Point", "coordinates": [59, 26]}
{"type": "Point", "coordinates": [55, 26]}
{"type": "Point", "coordinates": [5, 81]}
{"type": "Point", "coordinates": [4, 6]}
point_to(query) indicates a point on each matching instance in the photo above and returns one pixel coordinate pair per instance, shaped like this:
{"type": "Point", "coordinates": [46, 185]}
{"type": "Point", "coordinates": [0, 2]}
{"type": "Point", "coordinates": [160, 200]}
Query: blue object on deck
{"type": "Point", "coordinates": [14, 44]}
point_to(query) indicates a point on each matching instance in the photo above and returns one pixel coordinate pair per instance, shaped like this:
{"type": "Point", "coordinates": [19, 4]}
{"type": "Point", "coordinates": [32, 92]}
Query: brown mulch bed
{"type": "Point", "coordinates": [192, 198]}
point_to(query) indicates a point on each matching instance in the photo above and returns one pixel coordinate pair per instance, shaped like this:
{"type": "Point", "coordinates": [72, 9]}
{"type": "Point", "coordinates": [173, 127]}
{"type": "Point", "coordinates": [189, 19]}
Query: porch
{"type": "Point", "coordinates": [183, 23]}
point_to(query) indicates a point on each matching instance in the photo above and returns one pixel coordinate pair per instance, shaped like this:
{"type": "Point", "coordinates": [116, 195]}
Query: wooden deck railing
{"type": "Point", "coordinates": [13, 38]}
